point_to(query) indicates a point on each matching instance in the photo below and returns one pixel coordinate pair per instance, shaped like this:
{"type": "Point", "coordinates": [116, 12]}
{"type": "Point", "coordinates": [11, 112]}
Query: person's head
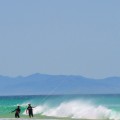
{"type": "Point", "coordinates": [29, 104]}
{"type": "Point", "coordinates": [18, 106]}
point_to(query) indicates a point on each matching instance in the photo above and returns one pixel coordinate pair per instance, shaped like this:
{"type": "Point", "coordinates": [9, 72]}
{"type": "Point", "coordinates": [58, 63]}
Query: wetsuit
{"type": "Point", "coordinates": [17, 112]}
{"type": "Point", "coordinates": [30, 111]}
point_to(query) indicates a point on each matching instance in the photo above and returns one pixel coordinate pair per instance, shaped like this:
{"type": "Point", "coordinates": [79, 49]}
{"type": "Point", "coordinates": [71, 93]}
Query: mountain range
{"type": "Point", "coordinates": [42, 84]}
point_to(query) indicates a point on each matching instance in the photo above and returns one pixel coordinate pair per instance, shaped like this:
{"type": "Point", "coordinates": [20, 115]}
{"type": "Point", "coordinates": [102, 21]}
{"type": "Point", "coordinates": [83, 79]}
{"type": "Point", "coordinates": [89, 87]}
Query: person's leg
{"type": "Point", "coordinates": [32, 114]}
{"type": "Point", "coordinates": [29, 115]}
{"type": "Point", "coordinates": [15, 115]}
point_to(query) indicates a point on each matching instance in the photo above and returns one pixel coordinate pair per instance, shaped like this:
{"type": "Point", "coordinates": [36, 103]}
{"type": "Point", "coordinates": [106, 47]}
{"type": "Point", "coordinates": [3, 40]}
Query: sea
{"type": "Point", "coordinates": [77, 106]}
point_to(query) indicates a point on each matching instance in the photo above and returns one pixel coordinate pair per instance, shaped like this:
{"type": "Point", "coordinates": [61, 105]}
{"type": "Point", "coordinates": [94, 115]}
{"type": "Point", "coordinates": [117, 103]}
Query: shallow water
{"type": "Point", "coordinates": [63, 106]}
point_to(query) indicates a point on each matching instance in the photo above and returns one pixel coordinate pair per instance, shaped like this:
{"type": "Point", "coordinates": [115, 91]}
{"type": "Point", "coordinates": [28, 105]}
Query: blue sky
{"type": "Point", "coordinates": [78, 37]}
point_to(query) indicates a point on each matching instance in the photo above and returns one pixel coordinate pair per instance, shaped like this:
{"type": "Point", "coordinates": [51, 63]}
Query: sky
{"type": "Point", "coordinates": [60, 37]}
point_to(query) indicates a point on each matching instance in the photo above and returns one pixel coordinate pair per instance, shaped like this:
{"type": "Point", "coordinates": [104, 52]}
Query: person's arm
{"type": "Point", "coordinates": [13, 111]}
{"type": "Point", "coordinates": [26, 110]}
{"type": "Point", "coordinates": [33, 107]}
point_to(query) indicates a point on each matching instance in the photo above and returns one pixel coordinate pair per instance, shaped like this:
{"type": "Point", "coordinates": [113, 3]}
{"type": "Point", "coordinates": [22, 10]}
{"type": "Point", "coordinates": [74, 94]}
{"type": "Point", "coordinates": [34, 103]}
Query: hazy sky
{"type": "Point", "coordinates": [78, 37]}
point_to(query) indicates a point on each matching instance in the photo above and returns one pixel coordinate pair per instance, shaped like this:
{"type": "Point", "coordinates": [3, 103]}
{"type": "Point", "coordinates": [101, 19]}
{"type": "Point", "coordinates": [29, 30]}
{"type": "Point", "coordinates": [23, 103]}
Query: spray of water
{"type": "Point", "coordinates": [77, 109]}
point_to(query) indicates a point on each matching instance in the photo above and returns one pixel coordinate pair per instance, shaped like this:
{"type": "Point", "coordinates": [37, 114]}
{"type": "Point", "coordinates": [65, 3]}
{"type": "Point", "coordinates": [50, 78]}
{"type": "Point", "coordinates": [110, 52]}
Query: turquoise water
{"type": "Point", "coordinates": [63, 106]}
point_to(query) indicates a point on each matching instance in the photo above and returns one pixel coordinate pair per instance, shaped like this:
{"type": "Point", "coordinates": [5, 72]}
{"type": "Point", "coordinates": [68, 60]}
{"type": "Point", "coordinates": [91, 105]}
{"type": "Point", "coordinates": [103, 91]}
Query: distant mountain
{"type": "Point", "coordinates": [57, 84]}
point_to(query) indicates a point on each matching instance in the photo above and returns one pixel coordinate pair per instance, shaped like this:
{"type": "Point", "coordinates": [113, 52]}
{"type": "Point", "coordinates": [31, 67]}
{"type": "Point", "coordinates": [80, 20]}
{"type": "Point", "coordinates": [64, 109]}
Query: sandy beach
{"type": "Point", "coordinates": [39, 119]}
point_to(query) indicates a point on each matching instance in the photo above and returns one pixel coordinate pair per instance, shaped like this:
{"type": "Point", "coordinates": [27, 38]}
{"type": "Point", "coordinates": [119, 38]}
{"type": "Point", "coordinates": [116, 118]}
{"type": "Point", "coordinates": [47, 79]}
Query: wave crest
{"type": "Point", "coordinates": [77, 109]}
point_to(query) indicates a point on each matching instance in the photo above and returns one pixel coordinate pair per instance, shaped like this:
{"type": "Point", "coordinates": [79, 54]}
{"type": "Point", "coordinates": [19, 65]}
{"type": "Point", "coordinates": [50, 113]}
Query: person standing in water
{"type": "Point", "coordinates": [17, 112]}
{"type": "Point", "coordinates": [30, 110]}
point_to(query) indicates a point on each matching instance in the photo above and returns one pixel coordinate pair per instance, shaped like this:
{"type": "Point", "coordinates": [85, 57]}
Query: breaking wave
{"type": "Point", "coordinates": [77, 109]}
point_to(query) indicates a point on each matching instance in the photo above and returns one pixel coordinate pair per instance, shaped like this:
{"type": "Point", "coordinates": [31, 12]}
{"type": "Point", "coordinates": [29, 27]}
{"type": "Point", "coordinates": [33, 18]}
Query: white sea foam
{"type": "Point", "coordinates": [77, 109]}
{"type": "Point", "coordinates": [24, 104]}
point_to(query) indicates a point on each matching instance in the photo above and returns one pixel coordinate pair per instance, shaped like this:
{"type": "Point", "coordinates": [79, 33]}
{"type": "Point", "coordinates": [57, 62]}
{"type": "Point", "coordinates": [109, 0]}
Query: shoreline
{"type": "Point", "coordinates": [47, 119]}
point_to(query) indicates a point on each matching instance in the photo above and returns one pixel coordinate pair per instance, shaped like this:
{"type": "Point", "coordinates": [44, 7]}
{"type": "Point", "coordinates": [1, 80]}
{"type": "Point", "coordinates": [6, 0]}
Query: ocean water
{"type": "Point", "coordinates": [64, 106]}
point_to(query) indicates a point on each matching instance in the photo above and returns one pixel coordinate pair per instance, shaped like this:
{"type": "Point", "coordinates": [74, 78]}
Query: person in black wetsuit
{"type": "Point", "coordinates": [30, 110]}
{"type": "Point", "coordinates": [17, 112]}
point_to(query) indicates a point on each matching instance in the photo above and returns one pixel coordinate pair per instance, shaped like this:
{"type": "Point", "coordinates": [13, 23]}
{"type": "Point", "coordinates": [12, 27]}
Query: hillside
{"type": "Point", "coordinates": [57, 84]}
